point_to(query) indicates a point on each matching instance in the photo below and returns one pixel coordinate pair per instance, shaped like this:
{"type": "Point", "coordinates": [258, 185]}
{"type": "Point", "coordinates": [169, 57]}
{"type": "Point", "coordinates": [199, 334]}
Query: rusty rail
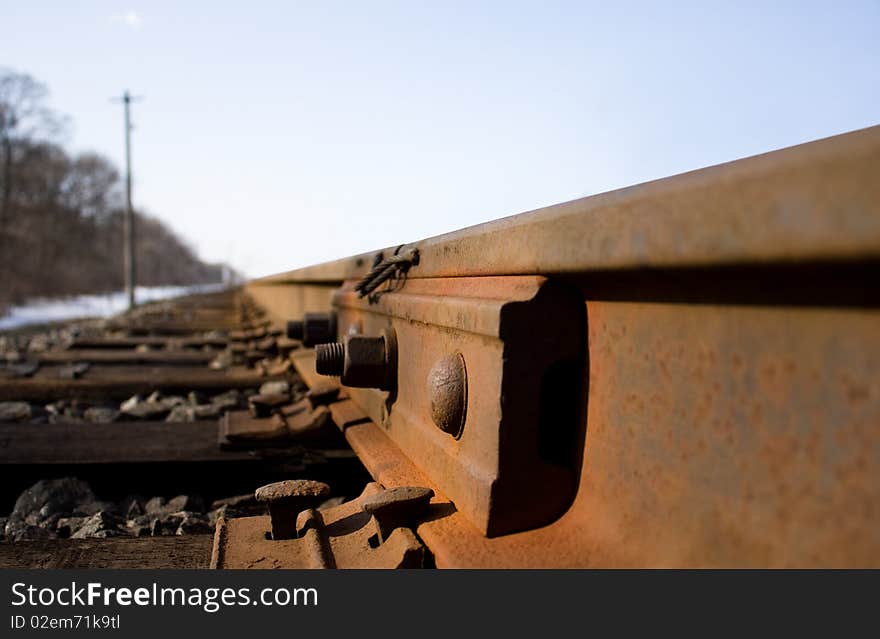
{"type": "Point", "coordinates": [680, 373]}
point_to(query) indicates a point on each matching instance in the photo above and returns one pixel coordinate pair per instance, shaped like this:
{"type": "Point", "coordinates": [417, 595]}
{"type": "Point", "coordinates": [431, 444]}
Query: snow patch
{"type": "Point", "coordinates": [43, 310]}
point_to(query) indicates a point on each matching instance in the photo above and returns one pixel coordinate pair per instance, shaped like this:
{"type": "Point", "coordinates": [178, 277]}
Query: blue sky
{"type": "Point", "coordinates": [280, 134]}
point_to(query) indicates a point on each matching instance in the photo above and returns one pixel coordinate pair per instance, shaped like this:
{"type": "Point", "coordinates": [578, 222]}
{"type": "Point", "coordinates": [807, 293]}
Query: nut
{"type": "Point", "coordinates": [360, 361]}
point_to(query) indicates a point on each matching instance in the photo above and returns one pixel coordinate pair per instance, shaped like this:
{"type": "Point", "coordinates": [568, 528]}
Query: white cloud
{"type": "Point", "coordinates": [131, 19]}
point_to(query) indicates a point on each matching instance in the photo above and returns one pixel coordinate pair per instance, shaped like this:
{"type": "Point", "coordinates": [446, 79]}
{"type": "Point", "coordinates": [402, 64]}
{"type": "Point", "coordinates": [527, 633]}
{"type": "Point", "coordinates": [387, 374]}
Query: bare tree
{"type": "Point", "coordinates": [24, 118]}
{"type": "Point", "coordinates": [91, 186]}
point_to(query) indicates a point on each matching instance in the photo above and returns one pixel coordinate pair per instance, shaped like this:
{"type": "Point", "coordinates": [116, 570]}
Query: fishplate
{"type": "Point", "coordinates": [485, 392]}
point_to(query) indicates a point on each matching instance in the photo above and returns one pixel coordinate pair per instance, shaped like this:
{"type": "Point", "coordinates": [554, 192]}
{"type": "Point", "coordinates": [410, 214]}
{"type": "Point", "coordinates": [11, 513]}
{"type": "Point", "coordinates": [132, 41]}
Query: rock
{"type": "Point", "coordinates": [39, 415]}
{"type": "Point", "coordinates": [185, 502]}
{"type": "Point", "coordinates": [15, 411]}
{"type": "Point", "coordinates": [167, 524]}
{"type": "Point", "coordinates": [155, 505]}
{"type": "Point", "coordinates": [181, 414]}
{"type": "Point", "coordinates": [173, 401]}
{"type": "Point", "coordinates": [227, 401]}
{"type": "Point", "coordinates": [67, 526]}
{"type": "Point", "coordinates": [72, 414]}
{"type": "Point", "coordinates": [21, 369]}
{"type": "Point", "coordinates": [222, 361]}
{"type": "Point", "coordinates": [140, 520]}
{"type": "Point", "coordinates": [144, 409]}
{"type": "Point", "coordinates": [142, 526]}
{"type": "Point", "coordinates": [73, 371]}
{"type": "Point", "coordinates": [149, 411]}
{"type": "Point", "coordinates": [101, 415]}
{"type": "Point", "coordinates": [101, 524]}
{"type": "Point", "coordinates": [66, 496]}
{"type": "Point", "coordinates": [17, 530]}
{"type": "Point", "coordinates": [235, 501]}
{"type": "Point", "coordinates": [278, 387]}
{"type": "Point", "coordinates": [130, 403]}
{"type": "Point", "coordinates": [206, 411]}
{"type": "Point", "coordinates": [226, 512]}
{"type": "Point", "coordinates": [109, 506]}
{"type": "Point", "coordinates": [39, 344]}
{"type": "Point", "coordinates": [194, 524]}
{"type": "Point", "coordinates": [135, 509]}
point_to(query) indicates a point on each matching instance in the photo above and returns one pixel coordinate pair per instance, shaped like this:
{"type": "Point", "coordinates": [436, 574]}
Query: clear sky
{"type": "Point", "coordinates": [280, 134]}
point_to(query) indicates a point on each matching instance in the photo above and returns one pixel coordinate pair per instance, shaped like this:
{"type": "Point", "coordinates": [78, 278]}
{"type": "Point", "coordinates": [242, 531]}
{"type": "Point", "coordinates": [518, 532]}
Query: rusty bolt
{"type": "Point", "coordinates": [365, 362]}
{"type": "Point", "coordinates": [397, 507]}
{"type": "Point", "coordinates": [360, 361]}
{"type": "Point", "coordinates": [286, 499]}
{"type": "Point", "coordinates": [295, 329]}
{"type": "Point", "coordinates": [330, 359]}
{"type": "Point", "coordinates": [447, 390]}
{"type": "Point", "coordinates": [313, 328]}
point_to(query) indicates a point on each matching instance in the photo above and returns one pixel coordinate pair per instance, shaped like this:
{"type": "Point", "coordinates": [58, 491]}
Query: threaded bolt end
{"type": "Point", "coordinates": [330, 359]}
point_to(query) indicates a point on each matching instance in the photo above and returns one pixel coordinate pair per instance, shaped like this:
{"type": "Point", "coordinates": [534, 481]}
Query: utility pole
{"type": "Point", "coordinates": [128, 219]}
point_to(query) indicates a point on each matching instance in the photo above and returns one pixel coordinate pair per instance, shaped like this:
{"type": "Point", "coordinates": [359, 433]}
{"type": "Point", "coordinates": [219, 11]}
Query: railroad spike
{"type": "Point", "coordinates": [286, 499]}
{"type": "Point", "coordinates": [397, 508]}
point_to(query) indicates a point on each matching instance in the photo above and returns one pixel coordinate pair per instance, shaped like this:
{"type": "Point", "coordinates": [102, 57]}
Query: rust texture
{"type": "Point", "coordinates": [716, 437]}
{"type": "Point", "coordinates": [343, 536]}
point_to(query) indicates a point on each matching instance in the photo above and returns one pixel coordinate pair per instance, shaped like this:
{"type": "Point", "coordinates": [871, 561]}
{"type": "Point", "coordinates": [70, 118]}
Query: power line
{"type": "Point", "coordinates": [128, 257]}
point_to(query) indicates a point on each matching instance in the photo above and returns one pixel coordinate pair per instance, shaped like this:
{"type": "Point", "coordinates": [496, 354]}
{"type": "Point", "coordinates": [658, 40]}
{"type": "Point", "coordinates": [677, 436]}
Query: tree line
{"type": "Point", "coordinates": [61, 214]}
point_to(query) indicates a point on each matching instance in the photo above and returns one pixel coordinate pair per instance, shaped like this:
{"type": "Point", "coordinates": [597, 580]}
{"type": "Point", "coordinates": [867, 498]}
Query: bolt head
{"type": "Point", "coordinates": [319, 328]}
{"type": "Point", "coordinates": [447, 390]}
